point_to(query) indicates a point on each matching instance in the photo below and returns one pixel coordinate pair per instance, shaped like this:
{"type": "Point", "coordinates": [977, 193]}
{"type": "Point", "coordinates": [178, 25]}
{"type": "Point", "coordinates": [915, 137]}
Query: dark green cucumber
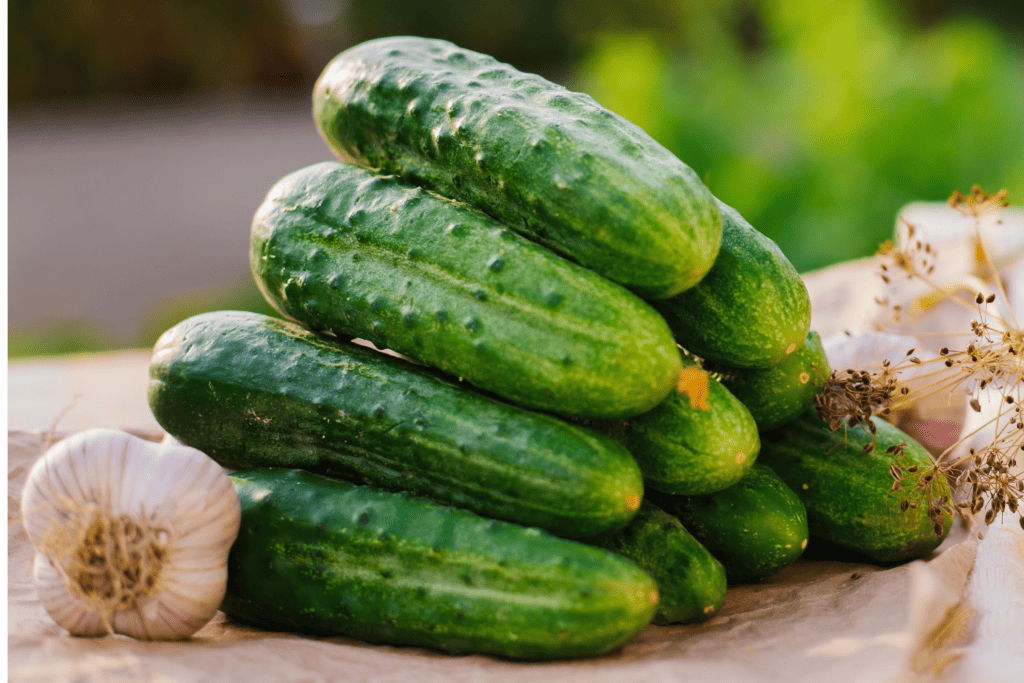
{"type": "Point", "coordinates": [780, 393]}
{"type": "Point", "coordinates": [344, 250]}
{"type": "Point", "coordinates": [691, 583]}
{"type": "Point", "coordinates": [252, 391]}
{"type": "Point", "coordinates": [693, 443]}
{"type": "Point", "coordinates": [755, 528]}
{"type": "Point", "coordinates": [552, 164]}
{"type": "Point", "coordinates": [322, 556]}
{"type": "Point", "coordinates": [751, 311]}
{"type": "Point", "coordinates": [848, 494]}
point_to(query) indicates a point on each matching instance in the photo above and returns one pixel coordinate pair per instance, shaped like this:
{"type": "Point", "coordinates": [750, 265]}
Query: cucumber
{"type": "Point", "coordinates": [323, 557]}
{"type": "Point", "coordinates": [691, 583]}
{"type": "Point", "coordinates": [751, 311]}
{"type": "Point", "coordinates": [251, 391]}
{"type": "Point", "coordinates": [344, 250]}
{"type": "Point", "coordinates": [552, 164]}
{"type": "Point", "coordinates": [780, 393]}
{"type": "Point", "coordinates": [755, 528]}
{"type": "Point", "coordinates": [848, 494]}
{"type": "Point", "coordinates": [696, 442]}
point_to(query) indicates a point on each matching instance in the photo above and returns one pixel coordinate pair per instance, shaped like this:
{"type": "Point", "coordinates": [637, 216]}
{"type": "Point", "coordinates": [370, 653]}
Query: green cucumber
{"type": "Point", "coordinates": [691, 583]}
{"type": "Point", "coordinates": [347, 251]}
{"type": "Point", "coordinates": [780, 393]}
{"type": "Point", "coordinates": [552, 164]}
{"type": "Point", "coordinates": [848, 493]}
{"type": "Point", "coordinates": [323, 556]}
{"type": "Point", "coordinates": [755, 528]}
{"type": "Point", "coordinates": [252, 391]}
{"type": "Point", "coordinates": [693, 442]}
{"type": "Point", "coordinates": [751, 311]}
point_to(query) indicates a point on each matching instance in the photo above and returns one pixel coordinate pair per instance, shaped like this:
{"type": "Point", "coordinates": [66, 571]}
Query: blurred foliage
{"type": "Point", "coordinates": [72, 49]}
{"type": "Point", "coordinates": [818, 121]}
{"type": "Point", "coordinates": [57, 338]}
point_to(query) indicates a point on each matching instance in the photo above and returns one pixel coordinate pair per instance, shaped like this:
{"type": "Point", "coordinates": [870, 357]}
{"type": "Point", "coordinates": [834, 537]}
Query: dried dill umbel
{"type": "Point", "coordinates": [986, 479]}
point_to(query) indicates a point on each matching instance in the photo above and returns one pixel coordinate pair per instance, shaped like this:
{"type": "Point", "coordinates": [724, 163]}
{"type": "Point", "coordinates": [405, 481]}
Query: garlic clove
{"type": "Point", "coordinates": [75, 614]}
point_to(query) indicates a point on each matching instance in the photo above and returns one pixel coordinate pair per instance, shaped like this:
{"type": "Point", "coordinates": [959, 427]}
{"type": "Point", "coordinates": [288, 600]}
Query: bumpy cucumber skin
{"type": "Point", "coordinates": [780, 393]}
{"type": "Point", "coordinates": [847, 492]}
{"type": "Point", "coordinates": [687, 450]}
{"type": "Point", "coordinates": [344, 250]}
{"type": "Point", "coordinates": [751, 311]}
{"type": "Point", "coordinates": [691, 582]}
{"type": "Point", "coordinates": [755, 528]}
{"type": "Point", "coordinates": [251, 391]}
{"type": "Point", "coordinates": [552, 164]}
{"type": "Point", "coordinates": [322, 556]}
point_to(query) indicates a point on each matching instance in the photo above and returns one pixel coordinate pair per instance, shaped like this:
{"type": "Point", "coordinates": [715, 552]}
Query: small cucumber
{"type": "Point", "coordinates": [322, 556]}
{"type": "Point", "coordinates": [751, 311]}
{"type": "Point", "coordinates": [699, 441]}
{"type": "Point", "coordinates": [249, 391]}
{"type": "Point", "coordinates": [552, 164]}
{"type": "Point", "coordinates": [780, 393]}
{"type": "Point", "coordinates": [691, 583]}
{"type": "Point", "coordinates": [347, 251]}
{"type": "Point", "coordinates": [756, 527]}
{"type": "Point", "coordinates": [847, 492]}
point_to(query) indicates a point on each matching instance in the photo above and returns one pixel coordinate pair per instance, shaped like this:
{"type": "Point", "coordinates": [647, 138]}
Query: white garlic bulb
{"type": "Point", "coordinates": [130, 536]}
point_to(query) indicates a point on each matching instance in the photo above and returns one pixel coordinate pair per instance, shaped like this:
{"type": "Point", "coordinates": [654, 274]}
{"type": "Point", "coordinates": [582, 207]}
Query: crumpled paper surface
{"type": "Point", "coordinates": [955, 616]}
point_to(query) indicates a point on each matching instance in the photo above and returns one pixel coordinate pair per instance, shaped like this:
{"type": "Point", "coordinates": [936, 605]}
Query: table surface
{"type": "Point", "coordinates": [75, 392]}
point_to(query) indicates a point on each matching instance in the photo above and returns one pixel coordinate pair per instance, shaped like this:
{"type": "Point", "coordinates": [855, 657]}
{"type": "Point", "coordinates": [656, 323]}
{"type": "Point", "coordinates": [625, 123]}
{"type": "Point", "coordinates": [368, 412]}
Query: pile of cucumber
{"type": "Point", "coordinates": [536, 470]}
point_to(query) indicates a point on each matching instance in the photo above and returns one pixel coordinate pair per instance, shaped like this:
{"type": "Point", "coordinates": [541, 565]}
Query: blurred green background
{"type": "Point", "coordinates": [816, 119]}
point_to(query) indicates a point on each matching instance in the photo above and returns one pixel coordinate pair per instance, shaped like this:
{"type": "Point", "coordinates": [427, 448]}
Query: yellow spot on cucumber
{"type": "Point", "coordinates": [694, 383]}
{"type": "Point", "coordinates": [803, 543]}
{"type": "Point", "coordinates": [740, 457]}
{"type": "Point", "coordinates": [805, 378]}
{"type": "Point", "coordinates": [710, 609]}
{"type": "Point", "coordinates": [791, 348]}
{"type": "Point", "coordinates": [633, 502]}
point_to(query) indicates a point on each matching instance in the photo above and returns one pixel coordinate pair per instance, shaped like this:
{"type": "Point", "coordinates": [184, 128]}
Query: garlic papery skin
{"type": "Point", "coordinates": [131, 536]}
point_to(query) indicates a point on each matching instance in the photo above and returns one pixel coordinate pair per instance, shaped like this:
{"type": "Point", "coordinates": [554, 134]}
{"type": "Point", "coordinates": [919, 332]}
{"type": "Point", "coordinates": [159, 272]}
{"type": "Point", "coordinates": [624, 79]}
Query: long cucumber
{"type": "Point", "coordinates": [322, 556]}
{"type": "Point", "coordinates": [344, 250]}
{"type": "Point", "coordinates": [251, 391]}
{"type": "Point", "coordinates": [552, 164]}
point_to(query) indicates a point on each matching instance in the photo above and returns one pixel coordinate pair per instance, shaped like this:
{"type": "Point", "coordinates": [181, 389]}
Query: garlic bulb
{"type": "Point", "coordinates": [131, 536]}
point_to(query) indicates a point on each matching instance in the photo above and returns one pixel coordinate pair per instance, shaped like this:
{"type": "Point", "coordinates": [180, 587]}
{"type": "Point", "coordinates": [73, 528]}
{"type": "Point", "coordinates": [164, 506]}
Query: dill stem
{"type": "Point", "coordinates": [995, 273]}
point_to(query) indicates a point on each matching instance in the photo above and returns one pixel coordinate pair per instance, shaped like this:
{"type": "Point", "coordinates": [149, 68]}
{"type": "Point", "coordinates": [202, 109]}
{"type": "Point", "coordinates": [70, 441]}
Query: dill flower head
{"type": "Point", "coordinates": [984, 370]}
